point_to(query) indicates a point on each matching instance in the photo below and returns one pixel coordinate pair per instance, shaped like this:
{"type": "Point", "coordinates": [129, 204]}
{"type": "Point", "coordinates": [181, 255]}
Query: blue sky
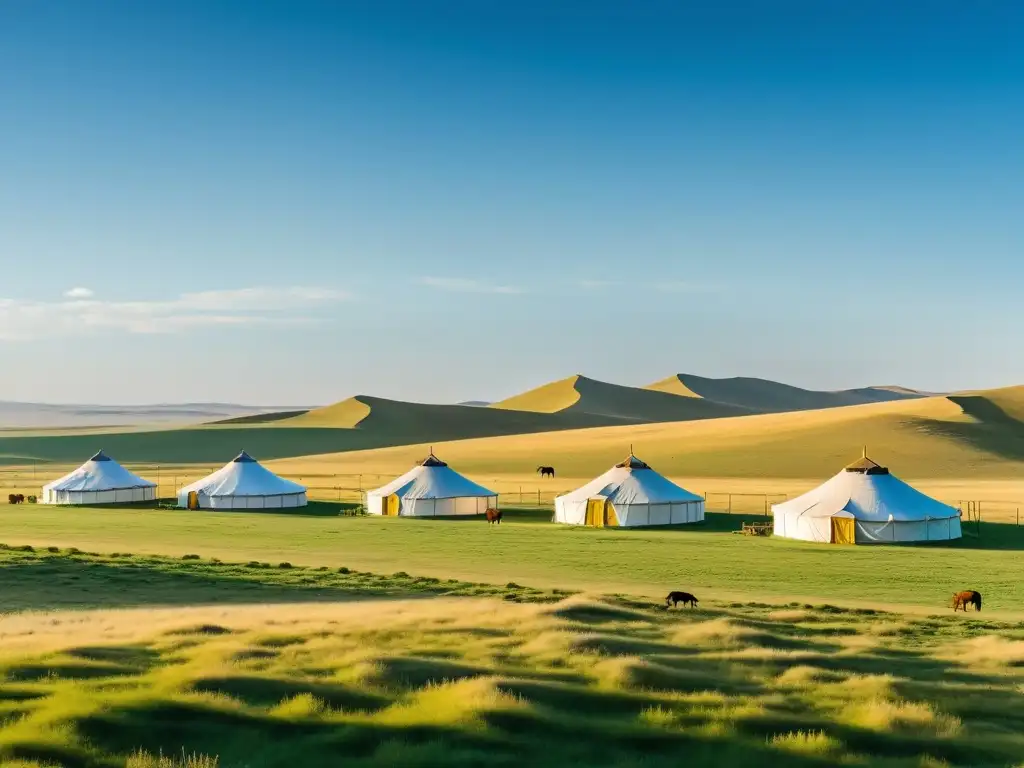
{"type": "Point", "coordinates": [293, 202]}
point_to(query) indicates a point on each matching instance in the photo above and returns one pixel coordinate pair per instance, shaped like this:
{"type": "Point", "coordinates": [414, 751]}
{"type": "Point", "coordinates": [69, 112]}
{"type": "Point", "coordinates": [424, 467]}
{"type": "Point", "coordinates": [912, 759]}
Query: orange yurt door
{"type": "Point", "coordinates": [595, 512]}
{"type": "Point", "coordinates": [391, 505]}
{"type": "Point", "coordinates": [193, 500]}
{"type": "Point", "coordinates": [843, 530]}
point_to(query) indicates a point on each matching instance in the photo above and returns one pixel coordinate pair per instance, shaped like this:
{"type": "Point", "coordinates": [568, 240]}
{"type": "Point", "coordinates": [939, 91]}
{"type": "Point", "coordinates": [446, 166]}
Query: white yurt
{"type": "Point", "coordinates": [242, 483]}
{"type": "Point", "coordinates": [630, 494]}
{"type": "Point", "coordinates": [864, 504]}
{"type": "Point", "coordinates": [430, 489]}
{"type": "Point", "coordinates": [101, 480]}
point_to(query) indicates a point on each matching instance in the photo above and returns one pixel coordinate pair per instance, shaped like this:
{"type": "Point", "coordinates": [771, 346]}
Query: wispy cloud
{"type": "Point", "coordinates": [26, 319]}
{"type": "Point", "coordinates": [464, 285]}
{"type": "Point", "coordinates": [79, 293]}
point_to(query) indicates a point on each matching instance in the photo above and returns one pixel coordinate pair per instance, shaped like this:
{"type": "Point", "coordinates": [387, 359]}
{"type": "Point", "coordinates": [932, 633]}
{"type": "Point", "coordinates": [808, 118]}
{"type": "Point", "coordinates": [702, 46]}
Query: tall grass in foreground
{"type": "Point", "coordinates": [477, 681]}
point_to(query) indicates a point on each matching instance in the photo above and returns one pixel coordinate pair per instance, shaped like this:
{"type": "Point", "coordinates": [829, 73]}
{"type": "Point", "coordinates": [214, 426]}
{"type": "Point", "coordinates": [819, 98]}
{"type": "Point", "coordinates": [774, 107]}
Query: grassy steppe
{"type": "Point", "coordinates": [709, 558]}
{"type": "Point", "coordinates": [478, 681]}
{"type": "Point", "coordinates": [956, 437]}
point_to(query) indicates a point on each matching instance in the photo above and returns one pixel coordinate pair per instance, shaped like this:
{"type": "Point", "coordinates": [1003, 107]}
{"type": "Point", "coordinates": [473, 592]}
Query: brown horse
{"type": "Point", "coordinates": [965, 598]}
{"type": "Point", "coordinates": [493, 516]}
{"type": "Point", "coordinates": [546, 471]}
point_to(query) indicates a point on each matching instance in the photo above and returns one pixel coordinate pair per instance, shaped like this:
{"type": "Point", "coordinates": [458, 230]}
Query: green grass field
{"type": "Point", "coordinates": [529, 679]}
{"type": "Point", "coordinates": [708, 559]}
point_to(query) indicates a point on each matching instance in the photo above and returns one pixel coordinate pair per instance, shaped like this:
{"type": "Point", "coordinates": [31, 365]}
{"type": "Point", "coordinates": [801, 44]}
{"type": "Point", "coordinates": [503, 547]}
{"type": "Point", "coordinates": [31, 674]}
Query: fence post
{"type": "Point", "coordinates": [538, 497]}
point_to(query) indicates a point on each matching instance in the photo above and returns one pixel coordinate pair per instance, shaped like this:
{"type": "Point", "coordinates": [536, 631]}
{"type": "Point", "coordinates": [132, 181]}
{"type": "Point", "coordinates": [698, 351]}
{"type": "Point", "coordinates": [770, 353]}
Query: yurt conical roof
{"type": "Point", "coordinates": [244, 476]}
{"type": "Point", "coordinates": [866, 491]}
{"type": "Point", "coordinates": [632, 481]}
{"type": "Point", "coordinates": [432, 479]}
{"type": "Point", "coordinates": [99, 473]}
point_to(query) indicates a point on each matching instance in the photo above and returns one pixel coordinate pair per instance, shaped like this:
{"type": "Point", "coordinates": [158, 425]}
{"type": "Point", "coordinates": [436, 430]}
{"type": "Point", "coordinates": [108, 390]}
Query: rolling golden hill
{"type": "Point", "coordinates": [973, 435]}
{"type": "Point", "coordinates": [764, 396]}
{"type": "Point", "coordinates": [579, 394]}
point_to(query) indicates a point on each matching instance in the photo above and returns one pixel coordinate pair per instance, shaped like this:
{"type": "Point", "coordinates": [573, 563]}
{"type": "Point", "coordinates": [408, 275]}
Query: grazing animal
{"type": "Point", "coordinates": [493, 516]}
{"type": "Point", "coordinates": [15, 498]}
{"type": "Point", "coordinates": [968, 597]}
{"type": "Point", "coordinates": [546, 471]}
{"type": "Point", "coordinates": [674, 598]}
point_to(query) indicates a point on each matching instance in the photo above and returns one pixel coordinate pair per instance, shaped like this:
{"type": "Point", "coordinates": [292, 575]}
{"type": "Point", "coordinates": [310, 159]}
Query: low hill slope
{"type": "Point", "coordinates": [357, 423]}
{"type": "Point", "coordinates": [50, 416]}
{"type": "Point", "coordinates": [764, 396]}
{"type": "Point", "coordinates": [976, 435]}
{"type": "Point", "coordinates": [579, 394]}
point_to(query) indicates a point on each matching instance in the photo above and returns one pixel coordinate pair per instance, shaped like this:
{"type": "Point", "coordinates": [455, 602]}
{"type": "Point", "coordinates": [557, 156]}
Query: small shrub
{"type": "Point", "coordinates": [190, 557]}
{"type": "Point", "coordinates": [512, 597]}
{"type": "Point", "coordinates": [31, 499]}
{"type": "Point", "coordinates": [512, 585]}
{"type": "Point", "coordinates": [215, 561]}
{"type": "Point", "coordinates": [343, 569]}
{"type": "Point", "coordinates": [285, 565]}
{"type": "Point", "coordinates": [400, 575]}
{"type": "Point", "coordinates": [322, 568]}
{"type": "Point", "coordinates": [25, 548]}
{"type": "Point", "coordinates": [53, 549]}
{"type": "Point", "coordinates": [74, 551]}
{"type": "Point", "coordinates": [253, 564]}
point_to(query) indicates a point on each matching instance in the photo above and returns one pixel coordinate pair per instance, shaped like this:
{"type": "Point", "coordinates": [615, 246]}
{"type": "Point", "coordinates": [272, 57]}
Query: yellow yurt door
{"type": "Point", "coordinates": [843, 531]}
{"type": "Point", "coordinates": [595, 512]}
{"type": "Point", "coordinates": [391, 505]}
{"type": "Point", "coordinates": [610, 518]}
{"type": "Point", "coordinates": [193, 500]}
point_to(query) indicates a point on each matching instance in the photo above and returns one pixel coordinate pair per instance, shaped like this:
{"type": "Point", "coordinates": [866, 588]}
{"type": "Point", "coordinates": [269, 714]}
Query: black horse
{"type": "Point", "coordinates": [546, 471]}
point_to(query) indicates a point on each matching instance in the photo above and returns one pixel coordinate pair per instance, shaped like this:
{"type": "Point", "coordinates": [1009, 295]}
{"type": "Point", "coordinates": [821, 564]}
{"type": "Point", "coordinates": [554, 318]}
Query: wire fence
{"type": "Point", "coordinates": [350, 488]}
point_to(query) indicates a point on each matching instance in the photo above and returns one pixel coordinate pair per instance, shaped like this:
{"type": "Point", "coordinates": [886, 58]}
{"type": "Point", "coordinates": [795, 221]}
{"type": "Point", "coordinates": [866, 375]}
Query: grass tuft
{"type": "Point", "coordinates": [142, 759]}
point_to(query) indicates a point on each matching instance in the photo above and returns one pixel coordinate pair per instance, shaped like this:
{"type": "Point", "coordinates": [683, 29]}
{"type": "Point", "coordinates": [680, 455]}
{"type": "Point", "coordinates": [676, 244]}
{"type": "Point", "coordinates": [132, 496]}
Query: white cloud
{"type": "Point", "coordinates": [24, 319]}
{"type": "Point", "coordinates": [464, 285]}
{"type": "Point", "coordinates": [79, 293]}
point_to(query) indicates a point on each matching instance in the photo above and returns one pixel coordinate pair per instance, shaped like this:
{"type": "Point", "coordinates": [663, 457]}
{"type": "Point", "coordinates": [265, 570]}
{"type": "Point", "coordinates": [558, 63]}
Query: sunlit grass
{"type": "Point", "coordinates": [479, 681]}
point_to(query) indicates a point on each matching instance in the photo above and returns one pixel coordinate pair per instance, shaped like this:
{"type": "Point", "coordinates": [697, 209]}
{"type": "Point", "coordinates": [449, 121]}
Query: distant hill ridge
{"type": "Point", "coordinates": [765, 396]}
{"type": "Point", "coordinates": [579, 394]}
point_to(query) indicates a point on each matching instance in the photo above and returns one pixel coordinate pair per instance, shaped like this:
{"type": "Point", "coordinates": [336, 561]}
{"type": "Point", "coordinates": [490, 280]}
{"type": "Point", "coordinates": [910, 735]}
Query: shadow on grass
{"type": "Point", "coordinates": [67, 582]}
{"type": "Point", "coordinates": [268, 691]}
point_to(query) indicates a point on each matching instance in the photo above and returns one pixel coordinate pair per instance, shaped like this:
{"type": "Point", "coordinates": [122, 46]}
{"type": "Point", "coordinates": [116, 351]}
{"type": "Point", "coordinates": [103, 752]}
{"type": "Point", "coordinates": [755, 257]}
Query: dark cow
{"type": "Point", "coordinates": [16, 498]}
{"type": "Point", "coordinates": [674, 598]}
{"type": "Point", "coordinates": [546, 471]}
